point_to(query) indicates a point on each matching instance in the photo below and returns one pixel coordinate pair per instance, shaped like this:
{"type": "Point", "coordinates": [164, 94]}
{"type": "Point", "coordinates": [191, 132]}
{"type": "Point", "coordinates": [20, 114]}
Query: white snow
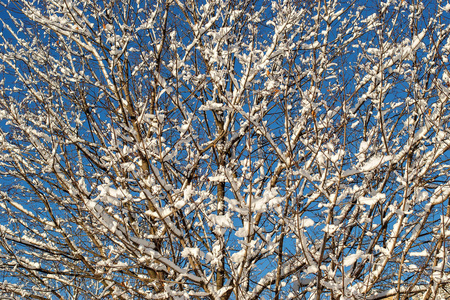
{"type": "Point", "coordinates": [372, 200]}
{"type": "Point", "coordinates": [423, 253]}
{"type": "Point", "coordinates": [352, 258]}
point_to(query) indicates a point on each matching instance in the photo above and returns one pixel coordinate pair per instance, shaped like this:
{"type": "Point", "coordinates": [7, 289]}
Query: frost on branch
{"type": "Point", "coordinates": [224, 149]}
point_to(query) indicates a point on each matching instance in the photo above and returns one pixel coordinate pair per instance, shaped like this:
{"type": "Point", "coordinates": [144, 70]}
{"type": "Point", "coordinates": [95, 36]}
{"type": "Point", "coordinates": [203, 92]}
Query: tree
{"type": "Point", "coordinates": [224, 149]}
